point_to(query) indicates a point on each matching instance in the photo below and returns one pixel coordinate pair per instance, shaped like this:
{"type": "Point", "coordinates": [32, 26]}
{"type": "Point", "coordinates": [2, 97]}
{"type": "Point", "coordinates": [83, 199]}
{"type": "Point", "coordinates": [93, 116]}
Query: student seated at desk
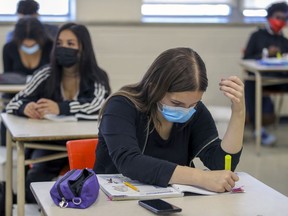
{"type": "Point", "coordinates": [73, 84]}
{"type": "Point", "coordinates": [30, 48]}
{"type": "Point", "coordinates": [28, 51]}
{"type": "Point", "coordinates": [269, 41]}
{"type": "Point", "coordinates": [152, 130]}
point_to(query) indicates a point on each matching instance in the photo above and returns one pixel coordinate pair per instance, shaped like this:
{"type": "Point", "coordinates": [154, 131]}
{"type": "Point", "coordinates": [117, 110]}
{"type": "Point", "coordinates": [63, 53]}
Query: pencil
{"type": "Point", "coordinates": [131, 186]}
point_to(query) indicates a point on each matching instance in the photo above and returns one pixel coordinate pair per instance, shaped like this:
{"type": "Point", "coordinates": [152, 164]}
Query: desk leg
{"type": "Point", "coordinates": [258, 111]}
{"type": "Point", "coordinates": [21, 179]}
{"type": "Point", "coordinates": [9, 165]}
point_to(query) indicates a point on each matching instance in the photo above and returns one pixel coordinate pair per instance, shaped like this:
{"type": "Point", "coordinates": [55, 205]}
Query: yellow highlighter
{"type": "Point", "coordinates": [278, 55]}
{"type": "Point", "coordinates": [131, 186]}
{"type": "Point", "coordinates": [228, 159]}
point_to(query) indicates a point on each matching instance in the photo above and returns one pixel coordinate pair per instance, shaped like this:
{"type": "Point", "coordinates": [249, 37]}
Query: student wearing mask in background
{"type": "Point", "coordinates": [73, 84]}
{"type": "Point", "coordinates": [30, 8]}
{"type": "Point", "coordinates": [152, 130]}
{"type": "Point", "coordinates": [28, 51]}
{"type": "Point", "coordinates": [267, 41]}
{"type": "Point", "coordinates": [30, 48]}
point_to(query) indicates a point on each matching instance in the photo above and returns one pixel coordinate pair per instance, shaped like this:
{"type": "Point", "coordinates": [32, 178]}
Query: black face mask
{"type": "Point", "coordinates": [66, 57]}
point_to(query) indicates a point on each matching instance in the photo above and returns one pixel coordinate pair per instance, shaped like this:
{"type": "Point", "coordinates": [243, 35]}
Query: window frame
{"type": "Point", "coordinates": [236, 15]}
{"type": "Point", "coordinates": [71, 15]}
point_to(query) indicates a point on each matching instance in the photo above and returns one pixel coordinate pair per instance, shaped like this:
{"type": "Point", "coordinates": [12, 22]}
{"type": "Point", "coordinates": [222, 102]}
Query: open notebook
{"type": "Point", "coordinates": [192, 189]}
{"type": "Point", "coordinates": [113, 185]}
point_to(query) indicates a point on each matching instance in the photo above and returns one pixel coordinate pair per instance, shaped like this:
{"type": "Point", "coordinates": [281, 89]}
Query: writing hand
{"type": "Point", "coordinates": [219, 181]}
{"type": "Point", "coordinates": [273, 50]}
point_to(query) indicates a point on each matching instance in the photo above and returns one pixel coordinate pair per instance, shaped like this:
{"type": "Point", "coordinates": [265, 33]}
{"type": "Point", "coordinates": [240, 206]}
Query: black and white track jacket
{"type": "Point", "coordinates": [87, 105]}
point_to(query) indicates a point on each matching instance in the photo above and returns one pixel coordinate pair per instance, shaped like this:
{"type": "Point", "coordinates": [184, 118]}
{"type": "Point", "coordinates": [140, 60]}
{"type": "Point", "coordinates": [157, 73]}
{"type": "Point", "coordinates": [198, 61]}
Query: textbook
{"type": "Point", "coordinates": [116, 188]}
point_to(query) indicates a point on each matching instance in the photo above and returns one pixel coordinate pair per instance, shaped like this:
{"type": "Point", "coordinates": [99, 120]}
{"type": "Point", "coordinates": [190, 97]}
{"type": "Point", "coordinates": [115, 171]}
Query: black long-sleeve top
{"type": "Point", "coordinates": [121, 147]}
{"type": "Point", "coordinates": [12, 61]}
{"type": "Point", "coordinates": [90, 98]}
{"type": "Point", "coordinates": [264, 38]}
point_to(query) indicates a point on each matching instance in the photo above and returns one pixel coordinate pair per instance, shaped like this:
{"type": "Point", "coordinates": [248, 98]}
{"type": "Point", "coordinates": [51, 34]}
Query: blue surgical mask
{"type": "Point", "coordinates": [176, 114]}
{"type": "Point", "coordinates": [30, 50]}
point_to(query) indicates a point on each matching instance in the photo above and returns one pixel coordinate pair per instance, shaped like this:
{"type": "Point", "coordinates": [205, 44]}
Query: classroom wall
{"type": "Point", "coordinates": [125, 48]}
{"type": "Point", "coordinates": [108, 10]}
{"type": "Point", "coordinates": [126, 52]}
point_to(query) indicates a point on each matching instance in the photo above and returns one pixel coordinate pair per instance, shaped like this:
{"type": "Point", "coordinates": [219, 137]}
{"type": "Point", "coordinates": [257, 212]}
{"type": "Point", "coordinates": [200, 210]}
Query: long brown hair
{"type": "Point", "coordinates": [174, 70]}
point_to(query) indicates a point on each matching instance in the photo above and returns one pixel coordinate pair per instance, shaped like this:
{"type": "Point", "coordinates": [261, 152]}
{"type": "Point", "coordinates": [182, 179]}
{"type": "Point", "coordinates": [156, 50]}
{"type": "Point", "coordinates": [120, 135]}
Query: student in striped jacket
{"type": "Point", "coordinates": [72, 84]}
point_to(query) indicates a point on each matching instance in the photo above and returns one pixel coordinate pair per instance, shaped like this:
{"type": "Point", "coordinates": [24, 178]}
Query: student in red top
{"type": "Point", "coordinates": [269, 41]}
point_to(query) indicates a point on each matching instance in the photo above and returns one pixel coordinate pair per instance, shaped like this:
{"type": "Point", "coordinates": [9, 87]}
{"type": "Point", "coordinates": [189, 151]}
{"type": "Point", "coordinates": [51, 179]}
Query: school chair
{"type": "Point", "coordinates": [81, 153]}
{"type": "Point", "coordinates": [221, 116]}
{"type": "Point", "coordinates": [278, 99]}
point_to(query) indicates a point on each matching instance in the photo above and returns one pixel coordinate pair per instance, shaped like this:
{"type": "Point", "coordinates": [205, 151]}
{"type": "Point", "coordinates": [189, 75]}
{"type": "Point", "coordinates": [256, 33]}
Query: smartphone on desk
{"type": "Point", "coordinates": [159, 206]}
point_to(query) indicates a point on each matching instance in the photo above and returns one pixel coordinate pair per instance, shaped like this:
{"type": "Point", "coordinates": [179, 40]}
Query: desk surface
{"type": "Point", "coordinates": [25, 129]}
{"type": "Point", "coordinates": [259, 199]}
{"type": "Point", "coordinates": [252, 65]}
{"type": "Point", "coordinates": [11, 88]}
{"type": "Point", "coordinates": [261, 80]}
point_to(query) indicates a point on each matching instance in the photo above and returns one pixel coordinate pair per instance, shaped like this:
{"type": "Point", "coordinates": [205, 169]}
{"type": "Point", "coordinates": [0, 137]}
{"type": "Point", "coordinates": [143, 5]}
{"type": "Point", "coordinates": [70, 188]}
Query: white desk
{"type": "Point", "coordinates": [22, 130]}
{"type": "Point", "coordinates": [259, 71]}
{"type": "Point", "coordinates": [11, 88]}
{"type": "Point", "coordinates": [259, 199]}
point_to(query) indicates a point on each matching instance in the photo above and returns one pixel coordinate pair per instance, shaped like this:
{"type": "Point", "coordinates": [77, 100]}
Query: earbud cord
{"type": "Point", "coordinates": [146, 138]}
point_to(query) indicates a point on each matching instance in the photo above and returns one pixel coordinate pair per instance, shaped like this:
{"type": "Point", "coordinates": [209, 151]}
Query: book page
{"type": "Point", "coordinates": [113, 185]}
{"type": "Point", "coordinates": [238, 188]}
{"type": "Point", "coordinates": [192, 189]}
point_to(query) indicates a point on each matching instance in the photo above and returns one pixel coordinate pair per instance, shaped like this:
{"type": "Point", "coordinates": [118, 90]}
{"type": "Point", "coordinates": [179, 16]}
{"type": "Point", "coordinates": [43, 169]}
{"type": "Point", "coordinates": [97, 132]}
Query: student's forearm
{"type": "Point", "coordinates": [186, 175]}
{"type": "Point", "coordinates": [218, 181]}
{"type": "Point", "coordinates": [233, 139]}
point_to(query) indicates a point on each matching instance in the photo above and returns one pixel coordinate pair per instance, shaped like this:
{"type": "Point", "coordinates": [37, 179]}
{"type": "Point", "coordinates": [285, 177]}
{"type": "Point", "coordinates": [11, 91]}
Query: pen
{"type": "Point", "coordinates": [228, 159]}
{"type": "Point", "coordinates": [131, 186]}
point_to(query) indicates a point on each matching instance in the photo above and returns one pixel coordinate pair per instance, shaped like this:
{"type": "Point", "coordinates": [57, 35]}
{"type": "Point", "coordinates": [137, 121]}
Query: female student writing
{"type": "Point", "coordinates": [73, 84]}
{"type": "Point", "coordinates": [152, 130]}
